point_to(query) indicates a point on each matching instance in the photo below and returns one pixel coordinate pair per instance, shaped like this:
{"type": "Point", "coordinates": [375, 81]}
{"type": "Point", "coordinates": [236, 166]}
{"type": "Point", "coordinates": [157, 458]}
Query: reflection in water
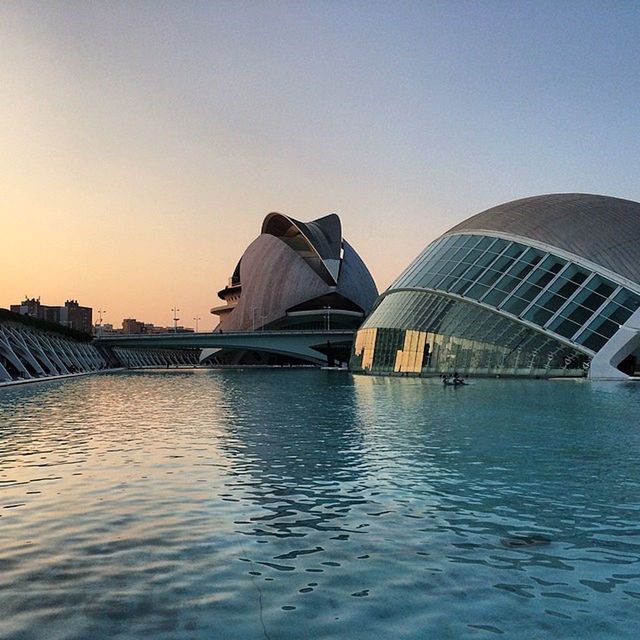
{"type": "Point", "coordinates": [299, 459]}
{"type": "Point", "coordinates": [287, 504]}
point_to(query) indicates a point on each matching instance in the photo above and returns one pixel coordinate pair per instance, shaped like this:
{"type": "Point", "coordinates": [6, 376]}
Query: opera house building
{"type": "Point", "coordinates": [295, 276]}
{"type": "Point", "coordinates": [546, 286]}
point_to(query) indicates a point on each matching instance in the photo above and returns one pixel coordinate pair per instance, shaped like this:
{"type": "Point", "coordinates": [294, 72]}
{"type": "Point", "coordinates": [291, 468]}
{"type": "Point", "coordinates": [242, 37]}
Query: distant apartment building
{"type": "Point", "coordinates": [70, 315]}
{"type": "Point", "coordinates": [105, 329]}
{"type": "Point", "coordinates": [131, 326]}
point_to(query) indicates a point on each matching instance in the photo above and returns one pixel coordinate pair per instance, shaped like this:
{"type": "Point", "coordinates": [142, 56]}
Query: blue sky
{"type": "Point", "coordinates": [147, 140]}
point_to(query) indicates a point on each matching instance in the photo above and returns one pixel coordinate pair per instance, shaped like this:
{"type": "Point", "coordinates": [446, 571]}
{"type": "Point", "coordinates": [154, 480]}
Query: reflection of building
{"type": "Point", "coordinates": [544, 286]}
{"type": "Point", "coordinates": [334, 448]}
{"type": "Point", "coordinates": [296, 276]}
{"type": "Point", "coordinates": [71, 315]}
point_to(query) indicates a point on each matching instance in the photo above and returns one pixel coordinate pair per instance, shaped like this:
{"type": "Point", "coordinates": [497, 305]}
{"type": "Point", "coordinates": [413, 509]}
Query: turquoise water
{"type": "Point", "coordinates": [313, 504]}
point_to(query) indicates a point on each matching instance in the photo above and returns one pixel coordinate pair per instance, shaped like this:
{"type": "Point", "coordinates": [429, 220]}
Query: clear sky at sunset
{"type": "Point", "coordinates": [142, 143]}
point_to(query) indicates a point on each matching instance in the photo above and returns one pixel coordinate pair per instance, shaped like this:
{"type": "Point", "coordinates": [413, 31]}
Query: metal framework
{"type": "Point", "coordinates": [27, 353]}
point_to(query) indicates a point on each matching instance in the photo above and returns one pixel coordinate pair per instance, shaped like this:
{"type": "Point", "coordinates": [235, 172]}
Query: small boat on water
{"type": "Point", "coordinates": [453, 381]}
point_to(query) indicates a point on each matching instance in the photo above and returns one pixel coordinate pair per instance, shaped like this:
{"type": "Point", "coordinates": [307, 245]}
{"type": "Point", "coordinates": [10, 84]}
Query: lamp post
{"type": "Point", "coordinates": [253, 318]}
{"type": "Point", "coordinates": [100, 312]}
{"type": "Point", "coordinates": [197, 320]}
{"type": "Point", "coordinates": [175, 319]}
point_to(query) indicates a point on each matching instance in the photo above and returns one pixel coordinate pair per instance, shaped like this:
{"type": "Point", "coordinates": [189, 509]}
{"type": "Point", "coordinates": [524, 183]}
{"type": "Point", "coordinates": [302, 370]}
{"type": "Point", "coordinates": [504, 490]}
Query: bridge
{"type": "Point", "coordinates": [312, 346]}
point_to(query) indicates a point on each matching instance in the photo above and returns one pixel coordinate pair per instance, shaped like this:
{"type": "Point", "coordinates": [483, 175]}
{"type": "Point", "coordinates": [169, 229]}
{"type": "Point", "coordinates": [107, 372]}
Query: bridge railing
{"type": "Point", "coordinates": [202, 334]}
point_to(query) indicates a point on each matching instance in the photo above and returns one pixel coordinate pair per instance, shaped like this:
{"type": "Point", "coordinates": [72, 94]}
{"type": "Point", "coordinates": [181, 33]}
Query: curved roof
{"type": "Point", "coordinates": [276, 278]}
{"type": "Point", "coordinates": [602, 229]}
{"type": "Point", "coordinates": [318, 242]}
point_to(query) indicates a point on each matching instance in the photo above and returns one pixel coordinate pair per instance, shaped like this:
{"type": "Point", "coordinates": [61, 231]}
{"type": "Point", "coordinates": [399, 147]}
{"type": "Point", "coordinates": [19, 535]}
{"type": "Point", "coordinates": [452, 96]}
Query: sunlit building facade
{"type": "Point", "coordinates": [71, 315]}
{"type": "Point", "coordinates": [546, 286]}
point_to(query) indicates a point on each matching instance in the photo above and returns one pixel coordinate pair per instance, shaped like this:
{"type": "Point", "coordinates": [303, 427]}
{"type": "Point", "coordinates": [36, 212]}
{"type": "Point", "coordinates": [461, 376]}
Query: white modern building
{"type": "Point", "coordinates": [545, 286]}
{"type": "Point", "coordinates": [295, 276]}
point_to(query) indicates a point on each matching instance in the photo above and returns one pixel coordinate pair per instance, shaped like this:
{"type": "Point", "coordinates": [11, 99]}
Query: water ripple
{"type": "Point", "coordinates": [287, 504]}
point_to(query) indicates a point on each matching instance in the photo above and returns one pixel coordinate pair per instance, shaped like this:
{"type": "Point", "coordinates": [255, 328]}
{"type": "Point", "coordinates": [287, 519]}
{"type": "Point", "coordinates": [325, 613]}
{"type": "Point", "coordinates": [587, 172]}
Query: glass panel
{"type": "Point", "coordinates": [494, 273]}
{"type": "Point", "coordinates": [601, 285]}
{"type": "Point", "coordinates": [589, 300]}
{"type": "Point", "coordinates": [538, 315]}
{"type": "Point", "coordinates": [461, 285]}
{"type": "Point", "coordinates": [426, 263]}
{"type": "Point", "coordinates": [616, 313]}
{"type": "Point", "coordinates": [541, 278]}
{"type": "Point", "coordinates": [575, 274]}
{"type": "Point", "coordinates": [609, 321]}
{"type": "Point", "coordinates": [604, 327]}
{"type": "Point", "coordinates": [471, 241]}
{"type": "Point", "coordinates": [592, 341]}
{"type": "Point", "coordinates": [492, 244]}
{"type": "Point", "coordinates": [564, 327]}
{"type": "Point", "coordinates": [517, 305]}
{"type": "Point", "coordinates": [508, 283]}
{"type": "Point", "coordinates": [459, 254]}
{"type": "Point", "coordinates": [429, 280]}
{"type": "Point", "coordinates": [627, 299]}
{"type": "Point", "coordinates": [567, 287]}
{"type": "Point", "coordinates": [521, 268]}
{"type": "Point", "coordinates": [576, 313]}
{"type": "Point", "coordinates": [448, 253]}
{"type": "Point", "coordinates": [495, 297]}
{"type": "Point", "coordinates": [476, 291]}
{"type": "Point", "coordinates": [553, 264]}
{"type": "Point", "coordinates": [515, 250]}
{"type": "Point", "coordinates": [473, 255]}
{"type": "Point", "coordinates": [459, 241]}
{"type": "Point", "coordinates": [514, 276]}
{"type": "Point", "coordinates": [498, 246]}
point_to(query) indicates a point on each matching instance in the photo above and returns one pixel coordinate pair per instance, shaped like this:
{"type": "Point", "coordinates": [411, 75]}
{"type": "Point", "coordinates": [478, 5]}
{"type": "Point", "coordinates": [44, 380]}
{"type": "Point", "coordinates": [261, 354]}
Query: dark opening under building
{"type": "Point", "coordinates": [544, 286]}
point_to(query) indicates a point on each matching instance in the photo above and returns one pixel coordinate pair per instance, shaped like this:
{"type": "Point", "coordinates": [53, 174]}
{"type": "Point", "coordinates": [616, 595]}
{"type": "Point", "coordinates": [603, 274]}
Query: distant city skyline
{"type": "Point", "coordinates": [142, 143]}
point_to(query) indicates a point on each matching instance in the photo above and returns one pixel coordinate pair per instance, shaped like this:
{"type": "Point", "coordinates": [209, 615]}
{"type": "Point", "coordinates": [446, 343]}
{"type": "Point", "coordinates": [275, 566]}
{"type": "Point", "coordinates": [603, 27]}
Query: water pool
{"type": "Point", "coordinates": [313, 504]}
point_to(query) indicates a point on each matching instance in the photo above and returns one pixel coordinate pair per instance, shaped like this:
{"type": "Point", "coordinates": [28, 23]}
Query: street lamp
{"type": "Point", "coordinates": [197, 320]}
{"type": "Point", "coordinates": [175, 319]}
{"type": "Point", "coordinates": [100, 312]}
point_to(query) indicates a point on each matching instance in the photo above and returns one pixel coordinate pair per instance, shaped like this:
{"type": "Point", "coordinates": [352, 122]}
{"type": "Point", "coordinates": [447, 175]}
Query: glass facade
{"type": "Point", "coordinates": [541, 297]}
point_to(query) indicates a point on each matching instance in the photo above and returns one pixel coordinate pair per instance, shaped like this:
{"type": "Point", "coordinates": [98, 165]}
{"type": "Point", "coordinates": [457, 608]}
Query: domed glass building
{"type": "Point", "coordinates": [545, 286]}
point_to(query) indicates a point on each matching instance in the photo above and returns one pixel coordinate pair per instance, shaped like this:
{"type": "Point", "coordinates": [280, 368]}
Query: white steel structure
{"type": "Point", "coordinates": [27, 353]}
{"type": "Point", "coordinates": [544, 286]}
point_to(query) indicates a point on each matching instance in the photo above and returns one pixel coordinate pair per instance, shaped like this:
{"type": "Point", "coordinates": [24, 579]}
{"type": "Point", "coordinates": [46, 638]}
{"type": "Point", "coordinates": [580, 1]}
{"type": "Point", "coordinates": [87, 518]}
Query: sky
{"type": "Point", "coordinates": [142, 143]}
